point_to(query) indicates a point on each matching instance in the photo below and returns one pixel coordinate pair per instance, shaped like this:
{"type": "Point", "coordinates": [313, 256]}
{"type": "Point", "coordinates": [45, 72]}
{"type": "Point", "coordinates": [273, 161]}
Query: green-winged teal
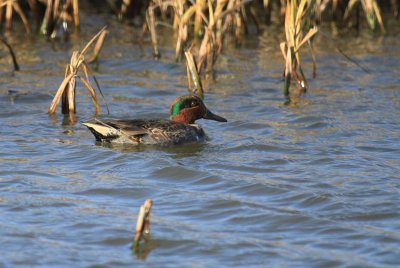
{"type": "Point", "coordinates": [185, 110]}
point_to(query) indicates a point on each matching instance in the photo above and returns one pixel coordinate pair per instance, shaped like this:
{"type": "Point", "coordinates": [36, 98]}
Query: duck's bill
{"type": "Point", "coordinates": [210, 116]}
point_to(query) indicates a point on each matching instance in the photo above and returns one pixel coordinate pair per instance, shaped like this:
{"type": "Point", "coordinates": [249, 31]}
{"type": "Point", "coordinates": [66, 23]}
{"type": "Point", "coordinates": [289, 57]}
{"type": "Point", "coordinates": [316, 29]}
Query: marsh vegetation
{"type": "Point", "coordinates": [202, 27]}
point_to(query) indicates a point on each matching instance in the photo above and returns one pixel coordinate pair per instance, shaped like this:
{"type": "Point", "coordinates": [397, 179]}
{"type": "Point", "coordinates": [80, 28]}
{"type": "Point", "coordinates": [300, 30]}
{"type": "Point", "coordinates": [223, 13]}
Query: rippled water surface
{"type": "Point", "coordinates": [312, 184]}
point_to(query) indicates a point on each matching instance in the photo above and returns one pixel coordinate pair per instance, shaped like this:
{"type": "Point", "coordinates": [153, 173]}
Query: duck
{"type": "Point", "coordinates": [180, 128]}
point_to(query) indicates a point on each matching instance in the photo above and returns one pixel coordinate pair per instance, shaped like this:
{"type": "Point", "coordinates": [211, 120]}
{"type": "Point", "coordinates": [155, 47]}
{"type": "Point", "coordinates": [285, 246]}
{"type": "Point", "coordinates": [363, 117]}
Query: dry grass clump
{"type": "Point", "coordinates": [207, 26]}
{"type": "Point", "coordinates": [371, 11]}
{"type": "Point", "coordinates": [203, 25]}
{"type": "Point", "coordinates": [297, 33]}
{"type": "Point", "coordinates": [209, 20]}
{"type": "Point", "coordinates": [67, 89]}
{"type": "Point", "coordinates": [57, 16]}
{"type": "Point", "coordinates": [52, 16]}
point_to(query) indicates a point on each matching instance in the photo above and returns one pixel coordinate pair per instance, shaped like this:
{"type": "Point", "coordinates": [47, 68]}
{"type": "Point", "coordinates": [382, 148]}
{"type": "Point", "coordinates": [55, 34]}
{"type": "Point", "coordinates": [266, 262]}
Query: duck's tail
{"type": "Point", "coordinates": [102, 131]}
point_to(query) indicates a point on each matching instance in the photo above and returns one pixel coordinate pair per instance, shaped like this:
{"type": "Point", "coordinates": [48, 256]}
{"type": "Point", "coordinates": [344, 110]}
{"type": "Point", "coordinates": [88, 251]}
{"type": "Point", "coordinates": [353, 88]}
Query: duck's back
{"type": "Point", "coordinates": [152, 131]}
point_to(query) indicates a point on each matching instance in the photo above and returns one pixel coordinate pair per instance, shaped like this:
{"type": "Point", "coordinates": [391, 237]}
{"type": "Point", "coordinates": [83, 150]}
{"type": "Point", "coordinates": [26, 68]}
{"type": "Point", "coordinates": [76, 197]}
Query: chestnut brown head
{"type": "Point", "coordinates": [189, 108]}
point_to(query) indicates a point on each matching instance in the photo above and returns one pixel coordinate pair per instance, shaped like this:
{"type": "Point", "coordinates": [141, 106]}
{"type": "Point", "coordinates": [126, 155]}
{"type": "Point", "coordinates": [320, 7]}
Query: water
{"type": "Point", "coordinates": [314, 184]}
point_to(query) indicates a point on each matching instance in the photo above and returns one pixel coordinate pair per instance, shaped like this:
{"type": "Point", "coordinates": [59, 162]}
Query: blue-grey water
{"type": "Point", "coordinates": [315, 184]}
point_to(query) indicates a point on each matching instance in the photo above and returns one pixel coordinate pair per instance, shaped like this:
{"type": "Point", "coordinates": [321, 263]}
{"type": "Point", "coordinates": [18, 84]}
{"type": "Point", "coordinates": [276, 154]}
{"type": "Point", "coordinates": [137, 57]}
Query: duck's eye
{"type": "Point", "coordinates": [193, 103]}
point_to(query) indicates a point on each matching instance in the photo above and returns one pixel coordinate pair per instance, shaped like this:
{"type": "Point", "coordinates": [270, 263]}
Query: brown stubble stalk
{"type": "Point", "coordinates": [226, 15]}
{"type": "Point", "coordinates": [57, 12]}
{"type": "Point", "coordinates": [143, 223]}
{"type": "Point", "coordinates": [229, 18]}
{"type": "Point", "coordinates": [47, 19]}
{"type": "Point", "coordinates": [10, 6]}
{"type": "Point", "coordinates": [198, 20]}
{"type": "Point", "coordinates": [67, 89]}
{"type": "Point", "coordinates": [33, 5]}
{"type": "Point", "coordinates": [9, 14]}
{"type": "Point", "coordinates": [238, 22]}
{"type": "Point", "coordinates": [75, 12]}
{"type": "Point", "coordinates": [183, 30]}
{"type": "Point", "coordinates": [124, 8]}
{"type": "Point", "coordinates": [371, 10]}
{"type": "Point", "coordinates": [151, 25]}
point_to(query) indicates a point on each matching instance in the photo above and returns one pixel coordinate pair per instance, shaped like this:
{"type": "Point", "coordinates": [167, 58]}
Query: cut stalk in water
{"type": "Point", "coordinates": [143, 223]}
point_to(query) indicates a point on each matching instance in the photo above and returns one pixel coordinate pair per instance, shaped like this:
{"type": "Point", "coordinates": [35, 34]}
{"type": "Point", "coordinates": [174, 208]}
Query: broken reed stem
{"type": "Point", "coordinates": [101, 93]}
{"type": "Point", "coordinates": [98, 46]}
{"type": "Point", "coordinates": [143, 223]}
{"type": "Point", "coordinates": [194, 75]}
{"type": "Point", "coordinates": [151, 24]}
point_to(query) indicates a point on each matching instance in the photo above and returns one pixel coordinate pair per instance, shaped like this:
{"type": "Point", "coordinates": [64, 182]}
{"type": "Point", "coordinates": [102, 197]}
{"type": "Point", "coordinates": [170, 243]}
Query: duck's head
{"type": "Point", "coordinates": [187, 109]}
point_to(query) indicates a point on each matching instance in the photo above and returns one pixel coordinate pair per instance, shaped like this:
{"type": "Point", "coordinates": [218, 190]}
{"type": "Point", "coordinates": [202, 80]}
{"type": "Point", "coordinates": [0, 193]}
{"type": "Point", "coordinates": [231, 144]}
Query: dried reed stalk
{"type": "Point", "coordinates": [193, 76]}
{"type": "Point", "coordinates": [75, 12]}
{"type": "Point", "coordinates": [143, 223]}
{"type": "Point", "coordinates": [198, 20]}
{"type": "Point", "coordinates": [151, 25]}
{"type": "Point", "coordinates": [68, 86]}
{"type": "Point", "coordinates": [98, 47]}
{"type": "Point", "coordinates": [59, 12]}
{"type": "Point", "coordinates": [295, 27]}
{"type": "Point", "coordinates": [371, 10]}
{"type": "Point", "coordinates": [226, 14]}
{"type": "Point", "coordinates": [183, 17]}
{"type": "Point", "coordinates": [13, 5]}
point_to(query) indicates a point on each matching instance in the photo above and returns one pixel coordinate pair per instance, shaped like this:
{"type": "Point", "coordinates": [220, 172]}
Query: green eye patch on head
{"type": "Point", "coordinates": [176, 108]}
{"type": "Point", "coordinates": [182, 104]}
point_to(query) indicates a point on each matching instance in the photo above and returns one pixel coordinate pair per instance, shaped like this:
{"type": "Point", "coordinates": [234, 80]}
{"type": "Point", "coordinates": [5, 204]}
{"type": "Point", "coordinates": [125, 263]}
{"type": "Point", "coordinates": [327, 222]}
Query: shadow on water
{"type": "Point", "coordinates": [145, 248]}
{"type": "Point", "coordinates": [177, 151]}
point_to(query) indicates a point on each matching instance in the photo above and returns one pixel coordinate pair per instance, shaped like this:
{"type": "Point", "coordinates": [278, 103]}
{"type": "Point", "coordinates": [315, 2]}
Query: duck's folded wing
{"type": "Point", "coordinates": [151, 131]}
{"type": "Point", "coordinates": [129, 127]}
{"type": "Point", "coordinates": [112, 129]}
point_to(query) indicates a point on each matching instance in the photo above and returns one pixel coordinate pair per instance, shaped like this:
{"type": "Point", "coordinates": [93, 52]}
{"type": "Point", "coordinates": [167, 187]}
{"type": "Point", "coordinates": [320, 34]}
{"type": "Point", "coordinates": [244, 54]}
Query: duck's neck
{"type": "Point", "coordinates": [183, 118]}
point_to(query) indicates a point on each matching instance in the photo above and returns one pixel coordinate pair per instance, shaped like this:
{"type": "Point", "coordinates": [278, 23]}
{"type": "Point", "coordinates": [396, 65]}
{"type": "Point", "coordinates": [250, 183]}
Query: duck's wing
{"type": "Point", "coordinates": [109, 130]}
{"type": "Point", "coordinates": [161, 131]}
{"type": "Point", "coordinates": [167, 132]}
